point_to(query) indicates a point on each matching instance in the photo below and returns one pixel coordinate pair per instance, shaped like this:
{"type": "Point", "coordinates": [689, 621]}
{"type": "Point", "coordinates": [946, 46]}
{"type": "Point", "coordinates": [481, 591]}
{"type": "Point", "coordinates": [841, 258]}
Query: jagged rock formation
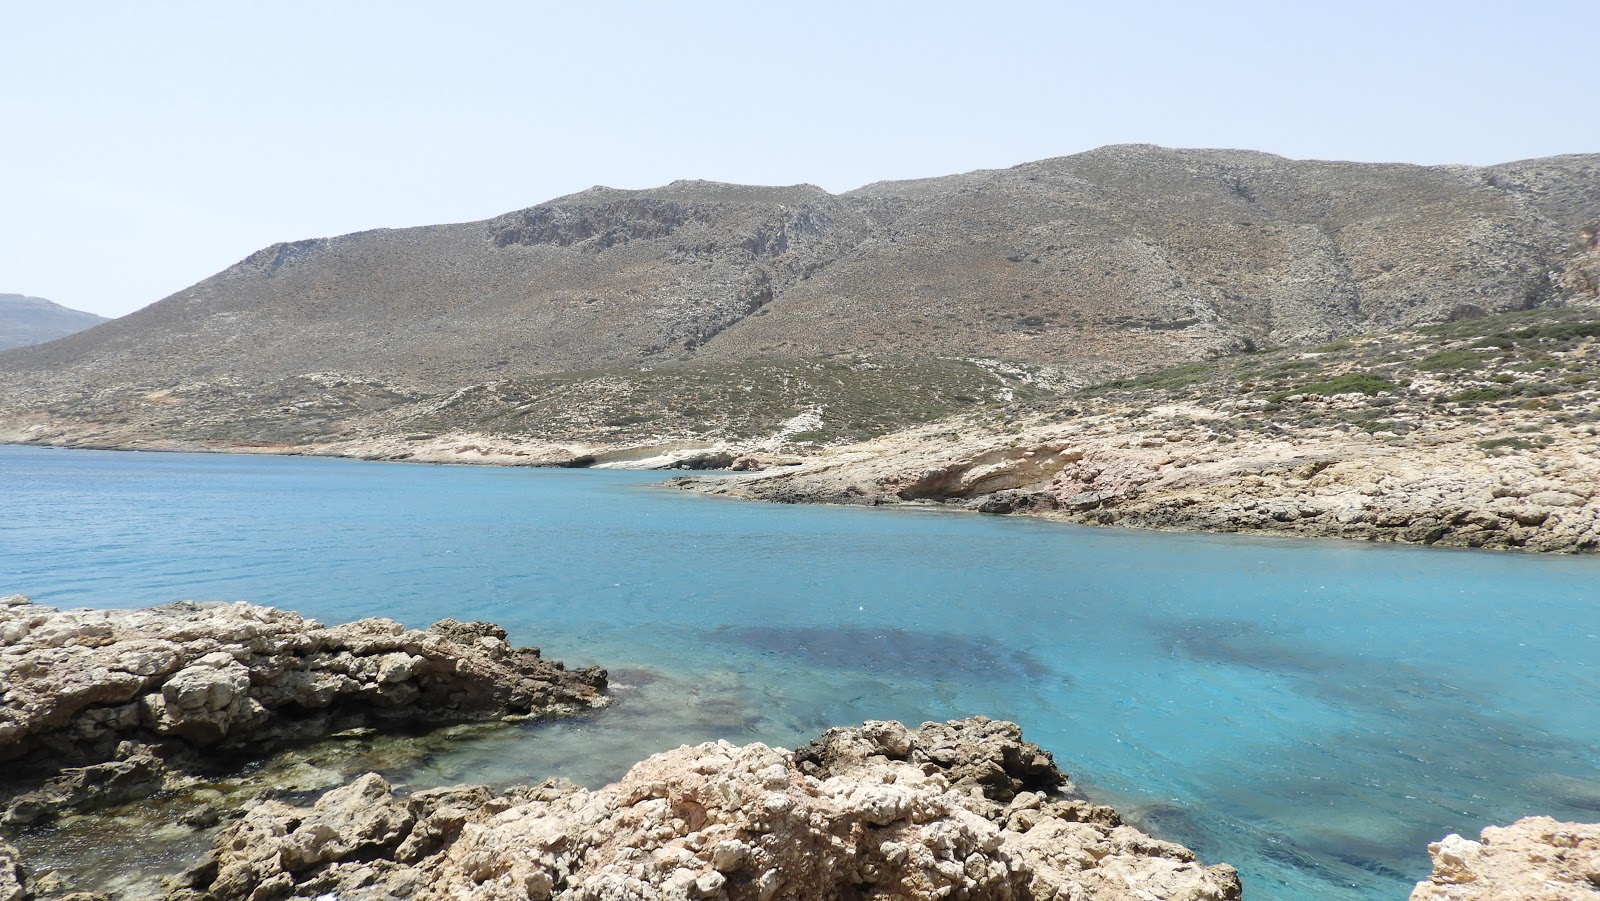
{"type": "Point", "coordinates": [33, 320]}
{"type": "Point", "coordinates": [964, 809]}
{"type": "Point", "coordinates": [1533, 859]}
{"type": "Point", "coordinates": [1088, 266]}
{"type": "Point", "coordinates": [99, 705]}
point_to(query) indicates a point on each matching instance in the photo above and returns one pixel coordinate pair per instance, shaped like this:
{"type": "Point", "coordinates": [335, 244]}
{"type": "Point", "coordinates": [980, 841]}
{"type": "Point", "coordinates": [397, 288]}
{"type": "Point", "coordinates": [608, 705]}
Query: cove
{"type": "Point", "coordinates": [1313, 712]}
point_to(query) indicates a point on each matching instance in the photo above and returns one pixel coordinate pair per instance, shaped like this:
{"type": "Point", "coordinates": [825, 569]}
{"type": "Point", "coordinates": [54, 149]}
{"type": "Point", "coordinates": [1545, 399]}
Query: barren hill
{"type": "Point", "coordinates": [1067, 270]}
{"type": "Point", "coordinates": [33, 320]}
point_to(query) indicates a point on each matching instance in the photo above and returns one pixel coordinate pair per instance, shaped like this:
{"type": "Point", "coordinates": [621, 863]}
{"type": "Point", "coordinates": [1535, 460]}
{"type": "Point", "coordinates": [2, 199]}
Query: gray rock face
{"type": "Point", "coordinates": [880, 811]}
{"type": "Point", "coordinates": [33, 320]}
{"type": "Point", "coordinates": [98, 703]}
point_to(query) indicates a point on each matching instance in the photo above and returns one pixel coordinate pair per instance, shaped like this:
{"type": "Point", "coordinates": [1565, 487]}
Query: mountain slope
{"type": "Point", "coordinates": [33, 320]}
{"type": "Point", "coordinates": [1057, 273]}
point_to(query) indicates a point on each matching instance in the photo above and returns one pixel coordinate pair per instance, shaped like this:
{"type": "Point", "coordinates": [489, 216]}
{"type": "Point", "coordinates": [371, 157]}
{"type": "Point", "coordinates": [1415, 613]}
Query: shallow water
{"type": "Point", "coordinates": [1313, 712]}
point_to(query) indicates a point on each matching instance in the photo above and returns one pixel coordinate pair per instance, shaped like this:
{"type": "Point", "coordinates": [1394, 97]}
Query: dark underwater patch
{"type": "Point", "coordinates": [887, 650]}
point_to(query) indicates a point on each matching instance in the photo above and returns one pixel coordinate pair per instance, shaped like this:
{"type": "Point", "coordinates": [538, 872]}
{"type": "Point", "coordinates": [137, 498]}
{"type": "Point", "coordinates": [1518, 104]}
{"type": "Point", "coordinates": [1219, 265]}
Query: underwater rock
{"type": "Point", "coordinates": [1533, 859]}
{"type": "Point", "coordinates": [963, 809]}
{"type": "Point", "coordinates": [99, 704]}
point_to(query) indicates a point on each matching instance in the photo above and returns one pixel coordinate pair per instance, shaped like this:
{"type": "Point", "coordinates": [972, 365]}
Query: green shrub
{"type": "Point", "coordinates": [1479, 395]}
{"type": "Point", "coordinates": [1350, 383]}
{"type": "Point", "coordinates": [1452, 359]}
{"type": "Point", "coordinates": [1514, 442]}
{"type": "Point", "coordinates": [1560, 331]}
{"type": "Point", "coordinates": [1173, 377]}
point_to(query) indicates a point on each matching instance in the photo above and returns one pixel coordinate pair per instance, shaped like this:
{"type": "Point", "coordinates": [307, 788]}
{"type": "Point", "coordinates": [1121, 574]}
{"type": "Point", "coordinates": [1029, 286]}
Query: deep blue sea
{"type": "Point", "coordinates": [1313, 712]}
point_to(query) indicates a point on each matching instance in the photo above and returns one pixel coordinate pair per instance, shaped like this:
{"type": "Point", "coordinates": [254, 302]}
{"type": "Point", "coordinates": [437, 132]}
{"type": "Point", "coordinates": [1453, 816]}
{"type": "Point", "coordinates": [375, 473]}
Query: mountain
{"type": "Point", "coordinates": [33, 320]}
{"type": "Point", "coordinates": [709, 311]}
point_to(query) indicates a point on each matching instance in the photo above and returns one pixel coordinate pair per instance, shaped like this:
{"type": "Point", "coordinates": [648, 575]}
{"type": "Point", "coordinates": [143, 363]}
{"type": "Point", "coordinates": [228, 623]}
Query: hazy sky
{"type": "Point", "coordinates": [144, 146]}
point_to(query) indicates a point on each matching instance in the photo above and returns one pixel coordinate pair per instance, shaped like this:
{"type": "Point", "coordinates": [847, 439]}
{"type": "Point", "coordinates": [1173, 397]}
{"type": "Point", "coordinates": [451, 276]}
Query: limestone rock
{"type": "Point", "coordinates": [1533, 859]}
{"type": "Point", "coordinates": [97, 703]}
{"type": "Point", "coordinates": [877, 811]}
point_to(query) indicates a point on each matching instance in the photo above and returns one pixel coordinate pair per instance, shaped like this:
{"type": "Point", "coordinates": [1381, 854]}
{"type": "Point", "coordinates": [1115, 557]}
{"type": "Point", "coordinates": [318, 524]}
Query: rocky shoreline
{"type": "Point", "coordinates": [100, 708]}
{"type": "Point", "coordinates": [1479, 433]}
{"type": "Point", "coordinates": [961, 809]}
{"type": "Point", "coordinates": [1174, 468]}
{"type": "Point", "coordinates": [1163, 470]}
{"type": "Point", "coordinates": [104, 706]}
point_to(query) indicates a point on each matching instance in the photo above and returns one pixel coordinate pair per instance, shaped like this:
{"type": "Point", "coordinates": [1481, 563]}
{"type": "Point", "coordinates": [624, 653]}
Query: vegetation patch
{"type": "Point", "coordinates": [1513, 443]}
{"type": "Point", "coordinates": [1481, 395]}
{"type": "Point", "coordinates": [1166, 379]}
{"type": "Point", "coordinates": [1446, 360]}
{"type": "Point", "coordinates": [1351, 383]}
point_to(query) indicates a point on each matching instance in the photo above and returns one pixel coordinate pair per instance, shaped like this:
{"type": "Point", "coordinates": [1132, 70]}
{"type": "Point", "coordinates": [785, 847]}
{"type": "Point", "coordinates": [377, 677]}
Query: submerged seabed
{"type": "Point", "coordinates": [1313, 712]}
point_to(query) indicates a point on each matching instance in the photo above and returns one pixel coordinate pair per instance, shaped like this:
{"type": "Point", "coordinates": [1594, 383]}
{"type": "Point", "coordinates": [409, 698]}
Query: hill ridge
{"type": "Point", "coordinates": [1090, 266]}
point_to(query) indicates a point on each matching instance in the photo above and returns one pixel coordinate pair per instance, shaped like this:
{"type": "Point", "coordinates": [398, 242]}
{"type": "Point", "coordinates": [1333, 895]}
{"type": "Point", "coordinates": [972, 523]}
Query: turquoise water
{"type": "Point", "coordinates": [1313, 712]}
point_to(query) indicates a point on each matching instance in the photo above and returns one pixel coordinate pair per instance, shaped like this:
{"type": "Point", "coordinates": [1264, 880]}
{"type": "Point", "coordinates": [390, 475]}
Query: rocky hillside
{"type": "Point", "coordinates": [33, 320]}
{"type": "Point", "coordinates": [1066, 271]}
{"type": "Point", "coordinates": [1477, 433]}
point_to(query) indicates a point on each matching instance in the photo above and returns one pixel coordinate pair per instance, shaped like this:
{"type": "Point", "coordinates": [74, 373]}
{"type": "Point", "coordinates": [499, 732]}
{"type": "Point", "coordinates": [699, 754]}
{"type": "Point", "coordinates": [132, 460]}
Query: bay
{"type": "Point", "coordinates": [1313, 712]}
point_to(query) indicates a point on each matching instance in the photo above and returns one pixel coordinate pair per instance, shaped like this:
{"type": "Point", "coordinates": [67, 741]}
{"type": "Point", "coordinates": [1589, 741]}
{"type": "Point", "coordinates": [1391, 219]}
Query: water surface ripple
{"type": "Point", "coordinates": [1312, 712]}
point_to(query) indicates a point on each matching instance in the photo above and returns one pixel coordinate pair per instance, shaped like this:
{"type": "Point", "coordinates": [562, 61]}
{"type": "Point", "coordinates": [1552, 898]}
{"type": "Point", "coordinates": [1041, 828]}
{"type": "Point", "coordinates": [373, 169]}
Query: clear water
{"type": "Point", "coordinates": [1313, 712]}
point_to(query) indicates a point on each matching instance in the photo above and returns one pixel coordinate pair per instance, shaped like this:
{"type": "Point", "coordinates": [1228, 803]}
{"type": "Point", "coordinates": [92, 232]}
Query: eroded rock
{"type": "Point", "coordinates": [964, 809]}
{"type": "Point", "coordinates": [97, 704]}
{"type": "Point", "coordinates": [1533, 859]}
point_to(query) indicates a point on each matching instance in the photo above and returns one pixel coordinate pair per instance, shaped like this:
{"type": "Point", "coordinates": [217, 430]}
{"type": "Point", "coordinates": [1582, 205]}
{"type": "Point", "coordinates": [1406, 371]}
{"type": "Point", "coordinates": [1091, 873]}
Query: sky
{"type": "Point", "coordinates": [146, 146]}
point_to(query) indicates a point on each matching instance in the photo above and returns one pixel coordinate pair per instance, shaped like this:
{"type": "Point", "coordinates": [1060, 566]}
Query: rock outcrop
{"type": "Point", "coordinates": [1533, 859]}
{"type": "Point", "coordinates": [1171, 470]}
{"type": "Point", "coordinates": [13, 878]}
{"type": "Point", "coordinates": [1481, 433]}
{"type": "Point", "coordinates": [965, 809]}
{"type": "Point", "coordinates": [99, 704]}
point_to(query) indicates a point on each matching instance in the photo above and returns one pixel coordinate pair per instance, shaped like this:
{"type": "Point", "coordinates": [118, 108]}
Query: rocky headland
{"type": "Point", "coordinates": [103, 706]}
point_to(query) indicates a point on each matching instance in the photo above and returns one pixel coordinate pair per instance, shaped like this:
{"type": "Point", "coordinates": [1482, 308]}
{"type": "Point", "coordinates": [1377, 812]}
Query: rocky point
{"type": "Point", "coordinates": [101, 706]}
